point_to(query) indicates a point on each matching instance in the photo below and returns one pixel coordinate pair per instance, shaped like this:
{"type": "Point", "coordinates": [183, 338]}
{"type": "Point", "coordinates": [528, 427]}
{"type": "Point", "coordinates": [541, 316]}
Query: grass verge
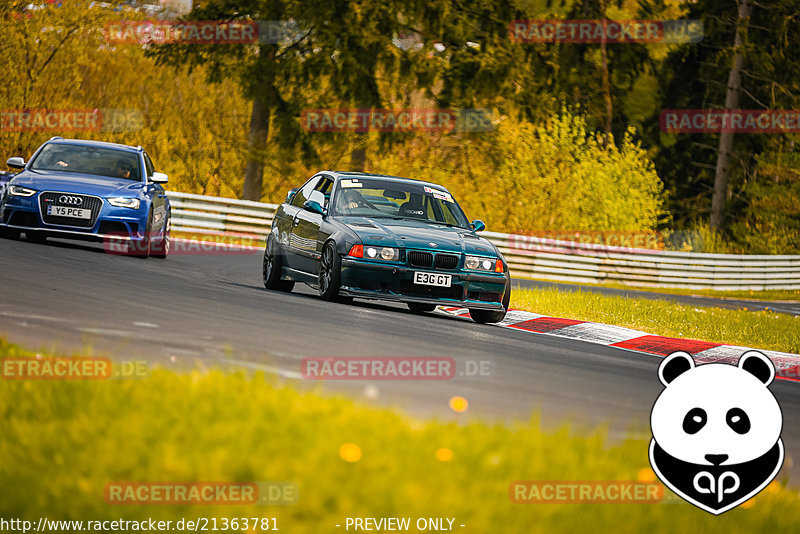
{"type": "Point", "coordinates": [62, 442]}
{"type": "Point", "coordinates": [757, 329]}
{"type": "Point", "coordinates": [768, 295]}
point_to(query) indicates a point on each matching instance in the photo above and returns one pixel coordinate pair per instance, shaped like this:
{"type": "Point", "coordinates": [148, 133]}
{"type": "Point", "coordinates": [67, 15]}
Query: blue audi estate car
{"type": "Point", "coordinates": [357, 235]}
{"type": "Point", "coordinates": [89, 190]}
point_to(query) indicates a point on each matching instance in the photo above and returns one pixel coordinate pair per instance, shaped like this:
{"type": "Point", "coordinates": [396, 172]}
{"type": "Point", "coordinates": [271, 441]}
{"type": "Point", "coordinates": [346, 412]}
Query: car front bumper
{"type": "Point", "coordinates": [384, 281]}
{"type": "Point", "coordinates": [112, 223]}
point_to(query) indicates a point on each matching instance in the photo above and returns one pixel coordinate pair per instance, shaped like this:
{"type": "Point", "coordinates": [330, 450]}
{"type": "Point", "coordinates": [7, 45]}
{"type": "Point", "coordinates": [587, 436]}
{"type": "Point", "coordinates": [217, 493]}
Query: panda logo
{"type": "Point", "coordinates": [716, 430]}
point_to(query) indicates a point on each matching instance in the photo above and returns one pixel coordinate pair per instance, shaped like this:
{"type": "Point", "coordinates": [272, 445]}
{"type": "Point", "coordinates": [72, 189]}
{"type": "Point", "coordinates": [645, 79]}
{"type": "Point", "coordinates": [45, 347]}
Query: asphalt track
{"type": "Point", "coordinates": [212, 310]}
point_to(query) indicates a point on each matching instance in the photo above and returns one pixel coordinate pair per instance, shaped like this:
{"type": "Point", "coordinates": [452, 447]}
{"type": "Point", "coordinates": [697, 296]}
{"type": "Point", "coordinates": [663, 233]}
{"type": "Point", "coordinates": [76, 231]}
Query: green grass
{"type": "Point", "coordinates": [62, 442]}
{"type": "Point", "coordinates": [757, 329]}
{"type": "Point", "coordinates": [765, 295]}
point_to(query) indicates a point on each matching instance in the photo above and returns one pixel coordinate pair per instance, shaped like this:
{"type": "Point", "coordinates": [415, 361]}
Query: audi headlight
{"type": "Point", "coordinates": [384, 253]}
{"type": "Point", "coordinates": [125, 202]}
{"type": "Point", "coordinates": [476, 263]}
{"type": "Point", "coordinates": [19, 191]}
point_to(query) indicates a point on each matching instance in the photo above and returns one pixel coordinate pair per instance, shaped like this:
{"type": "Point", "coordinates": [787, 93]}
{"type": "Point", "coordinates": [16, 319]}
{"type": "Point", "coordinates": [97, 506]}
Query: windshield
{"type": "Point", "coordinates": [367, 197]}
{"type": "Point", "coordinates": [88, 160]}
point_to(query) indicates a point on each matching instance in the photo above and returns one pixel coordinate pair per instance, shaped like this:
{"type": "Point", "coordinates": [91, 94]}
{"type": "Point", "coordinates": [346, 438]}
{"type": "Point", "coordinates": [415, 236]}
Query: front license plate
{"type": "Point", "coordinates": [433, 279]}
{"type": "Point", "coordinates": [61, 211]}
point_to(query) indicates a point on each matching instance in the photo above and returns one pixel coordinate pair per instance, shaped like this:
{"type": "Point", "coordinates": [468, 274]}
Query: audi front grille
{"type": "Point", "coordinates": [69, 200]}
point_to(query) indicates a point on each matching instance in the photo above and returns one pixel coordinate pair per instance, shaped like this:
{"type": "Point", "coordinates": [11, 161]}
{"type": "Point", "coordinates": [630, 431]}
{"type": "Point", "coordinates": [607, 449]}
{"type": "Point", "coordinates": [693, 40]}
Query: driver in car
{"type": "Point", "coordinates": [122, 169]}
{"type": "Point", "coordinates": [351, 199]}
{"type": "Point", "coordinates": [64, 160]}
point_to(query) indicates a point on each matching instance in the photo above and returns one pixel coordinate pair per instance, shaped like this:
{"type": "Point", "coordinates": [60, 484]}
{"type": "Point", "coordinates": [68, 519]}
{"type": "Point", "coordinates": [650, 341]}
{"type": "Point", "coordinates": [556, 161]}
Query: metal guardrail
{"type": "Point", "coordinates": [540, 258]}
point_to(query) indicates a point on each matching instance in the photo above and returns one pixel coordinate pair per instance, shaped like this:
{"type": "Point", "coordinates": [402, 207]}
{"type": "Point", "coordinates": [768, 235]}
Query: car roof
{"type": "Point", "coordinates": [387, 177]}
{"type": "Point", "coordinates": [89, 142]}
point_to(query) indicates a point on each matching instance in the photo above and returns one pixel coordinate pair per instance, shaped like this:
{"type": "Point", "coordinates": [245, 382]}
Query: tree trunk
{"type": "Point", "coordinates": [358, 157]}
{"type": "Point", "coordinates": [606, 91]}
{"type": "Point", "coordinates": [720, 197]}
{"type": "Point", "coordinates": [263, 102]}
{"type": "Point", "coordinates": [256, 147]}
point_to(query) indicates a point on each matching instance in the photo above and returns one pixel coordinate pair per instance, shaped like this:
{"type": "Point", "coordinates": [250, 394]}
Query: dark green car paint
{"type": "Point", "coordinates": [301, 232]}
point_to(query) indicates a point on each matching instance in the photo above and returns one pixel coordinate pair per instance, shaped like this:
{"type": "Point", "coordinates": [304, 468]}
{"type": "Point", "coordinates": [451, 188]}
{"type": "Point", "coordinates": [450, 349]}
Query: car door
{"type": "Point", "coordinates": [159, 198]}
{"type": "Point", "coordinates": [306, 227]}
{"type": "Point", "coordinates": [295, 249]}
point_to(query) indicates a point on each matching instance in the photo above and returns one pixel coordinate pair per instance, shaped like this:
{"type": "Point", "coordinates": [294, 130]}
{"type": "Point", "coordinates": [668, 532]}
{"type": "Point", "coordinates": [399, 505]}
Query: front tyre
{"type": "Point", "coordinates": [161, 248]}
{"type": "Point", "coordinates": [140, 248]}
{"type": "Point", "coordinates": [272, 267]}
{"type": "Point", "coordinates": [330, 273]}
{"type": "Point", "coordinates": [492, 316]}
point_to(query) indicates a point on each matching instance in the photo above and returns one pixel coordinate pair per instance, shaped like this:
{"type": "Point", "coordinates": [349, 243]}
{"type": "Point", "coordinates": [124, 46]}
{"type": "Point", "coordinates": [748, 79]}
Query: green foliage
{"type": "Point", "coordinates": [540, 170]}
{"type": "Point", "coordinates": [695, 77]}
{"type": "Point", "coordinates": [770, 222]}
{"type": "Point", "coordinates": [554, 176]}
{"type": "Point", "coordinates": [72, 438]}
{"type": "Point", "coordinates": [193, 130]}
{"type": "Point", "coordinates": [700, 237]}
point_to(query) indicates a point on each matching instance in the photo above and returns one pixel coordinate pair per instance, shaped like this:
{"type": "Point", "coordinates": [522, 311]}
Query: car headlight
{"type": "Point", "coordinates": [125, 202]}
{"type": "Point", "coordinates": [476, 263]}
{"type": "Point", "coordinates": [384, 253]}
{"type": "Point", "coordinates": [19, 191]}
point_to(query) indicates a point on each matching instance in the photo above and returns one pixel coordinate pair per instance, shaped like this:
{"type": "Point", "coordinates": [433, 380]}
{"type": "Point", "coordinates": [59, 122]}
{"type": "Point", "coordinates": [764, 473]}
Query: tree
{"type": "Point", "coordinates": [269, 73]}
{"type": "Point", "coordinates": [697, 77]}
{"type": "Point", "coordinates": [731, 102]}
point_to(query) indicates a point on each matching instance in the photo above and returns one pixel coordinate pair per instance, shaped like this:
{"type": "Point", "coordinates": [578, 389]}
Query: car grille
{"type": "Point", "coordinates": [415, 290]}
{"type": "Point", "coordinates": [446, 261]}
{"type": "Point", "coordinates": [50, 198]}
{"type": "Point", "coordinates": [417, 258]}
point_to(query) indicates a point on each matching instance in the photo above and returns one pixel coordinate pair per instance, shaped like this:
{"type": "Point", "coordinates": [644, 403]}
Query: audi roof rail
{"type": "Point", "coordinates": [56, 137]}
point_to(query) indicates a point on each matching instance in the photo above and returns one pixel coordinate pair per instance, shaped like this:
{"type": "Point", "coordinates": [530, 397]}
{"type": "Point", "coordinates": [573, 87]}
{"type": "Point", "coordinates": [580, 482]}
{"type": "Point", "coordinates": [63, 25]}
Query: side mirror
{"type": "Point", "coordinates": [159, 178]}
{"type": "Point", "coordinates": [16, 163]}
{"type": "Point", "coordinates": [313, 205]}
{"type": "Point", "coordinates": [478, 225]}
{"type": "Point", "coordinates": [290, 194]}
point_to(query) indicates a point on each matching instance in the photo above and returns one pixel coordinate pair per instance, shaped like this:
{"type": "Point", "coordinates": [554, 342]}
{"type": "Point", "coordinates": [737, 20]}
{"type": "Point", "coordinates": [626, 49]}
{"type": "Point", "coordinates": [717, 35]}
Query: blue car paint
{"type": "Point", "coordinates": [151, 196]}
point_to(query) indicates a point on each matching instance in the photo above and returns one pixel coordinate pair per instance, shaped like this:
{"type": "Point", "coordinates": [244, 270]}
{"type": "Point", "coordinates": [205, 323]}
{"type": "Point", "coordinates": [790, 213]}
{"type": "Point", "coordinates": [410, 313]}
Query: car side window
{"type": "Point", "coordinates": [305, 192]}
{"type": "Point", "coordinates": [324, 186]}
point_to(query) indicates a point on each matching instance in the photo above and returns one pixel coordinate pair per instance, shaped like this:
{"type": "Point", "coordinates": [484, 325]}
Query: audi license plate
{"type": "Point", "coordinates": [63, 211]}
{"type": "Point", "coordinates": [433, 279]}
